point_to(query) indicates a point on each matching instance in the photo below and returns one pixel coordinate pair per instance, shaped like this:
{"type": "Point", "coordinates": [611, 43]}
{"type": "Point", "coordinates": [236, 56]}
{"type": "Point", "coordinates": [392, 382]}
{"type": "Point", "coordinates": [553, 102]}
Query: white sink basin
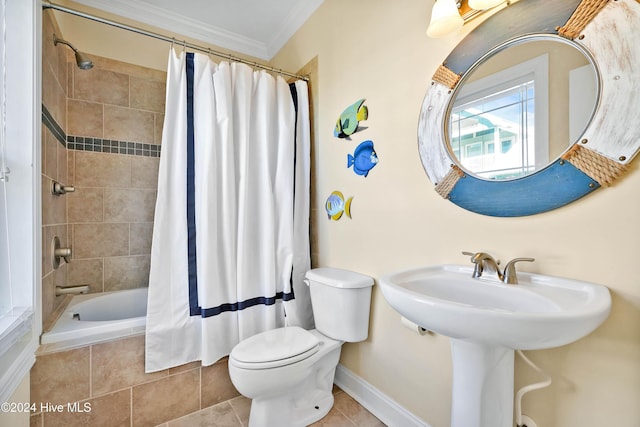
{"type": "Point", "coordinates": [487, 320]}
{"type": "Point", "coordinates": [539, 312]}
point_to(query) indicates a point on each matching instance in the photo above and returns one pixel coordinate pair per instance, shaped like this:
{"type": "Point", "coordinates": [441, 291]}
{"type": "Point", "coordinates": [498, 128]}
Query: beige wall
{"type": "Point", "coordinates": [378, 50]}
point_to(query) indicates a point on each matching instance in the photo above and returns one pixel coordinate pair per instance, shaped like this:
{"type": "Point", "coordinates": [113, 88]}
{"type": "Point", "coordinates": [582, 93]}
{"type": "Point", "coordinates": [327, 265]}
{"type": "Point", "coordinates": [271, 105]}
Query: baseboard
{"type": "Point", "coordinates": [379, 404]}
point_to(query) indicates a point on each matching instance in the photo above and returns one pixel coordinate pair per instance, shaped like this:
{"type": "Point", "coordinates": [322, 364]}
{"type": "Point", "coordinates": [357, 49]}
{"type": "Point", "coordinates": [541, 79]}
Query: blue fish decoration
{"type": "Point", "coordinates": [348, 121]}
{"type": "Point", "coordinates": [364, 158]}
{"type": "Point", "coordinates": [336, 206]}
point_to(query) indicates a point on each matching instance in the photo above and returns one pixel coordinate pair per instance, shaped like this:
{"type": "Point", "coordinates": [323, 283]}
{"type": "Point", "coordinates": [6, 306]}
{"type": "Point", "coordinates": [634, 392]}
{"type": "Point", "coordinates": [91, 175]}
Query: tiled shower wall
{"type": "Point", "coordinates": [102, 135]}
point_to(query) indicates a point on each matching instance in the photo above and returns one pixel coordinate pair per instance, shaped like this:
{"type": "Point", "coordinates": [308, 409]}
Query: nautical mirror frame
{"type": "Point", "coordinates": [607, 29]}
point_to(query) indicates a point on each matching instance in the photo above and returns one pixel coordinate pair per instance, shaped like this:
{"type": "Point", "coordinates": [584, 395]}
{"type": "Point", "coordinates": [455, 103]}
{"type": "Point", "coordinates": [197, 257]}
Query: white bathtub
{"type": "Point", "coordinates": [98, 317]}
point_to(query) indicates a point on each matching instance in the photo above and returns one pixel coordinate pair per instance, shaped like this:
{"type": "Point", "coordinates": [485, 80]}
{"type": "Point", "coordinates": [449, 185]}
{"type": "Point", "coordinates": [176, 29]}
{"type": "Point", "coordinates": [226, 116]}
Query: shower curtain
{"type": "Point", "coordinates": [231, 229]}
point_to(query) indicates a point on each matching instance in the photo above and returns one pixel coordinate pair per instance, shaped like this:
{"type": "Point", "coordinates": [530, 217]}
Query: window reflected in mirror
{"type": "Point", "coordinates": [521, 108]}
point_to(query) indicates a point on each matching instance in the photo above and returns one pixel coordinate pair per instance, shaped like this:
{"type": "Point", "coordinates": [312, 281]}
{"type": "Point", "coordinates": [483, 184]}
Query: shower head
{"type": "Point", "coordinates": [83, 61]}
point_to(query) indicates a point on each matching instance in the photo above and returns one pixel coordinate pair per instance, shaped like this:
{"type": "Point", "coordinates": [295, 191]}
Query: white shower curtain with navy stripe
{"type": "Point", "coordinates": [231, 229]}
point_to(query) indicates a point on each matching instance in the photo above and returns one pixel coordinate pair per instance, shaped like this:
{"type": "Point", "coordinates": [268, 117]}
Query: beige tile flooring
{"type": "Point", "coordinates": [346, 412]}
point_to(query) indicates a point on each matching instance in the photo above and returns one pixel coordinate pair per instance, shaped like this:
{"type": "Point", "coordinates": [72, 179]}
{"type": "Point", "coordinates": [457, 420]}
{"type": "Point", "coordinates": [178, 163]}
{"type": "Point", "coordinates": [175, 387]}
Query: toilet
{"type": "Point", "coordinates": [288, 372]}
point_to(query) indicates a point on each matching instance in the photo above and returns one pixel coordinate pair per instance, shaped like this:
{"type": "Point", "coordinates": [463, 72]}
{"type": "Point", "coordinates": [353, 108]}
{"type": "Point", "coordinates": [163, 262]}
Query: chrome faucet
{"type": "Point", "coordinates": [483, 261]}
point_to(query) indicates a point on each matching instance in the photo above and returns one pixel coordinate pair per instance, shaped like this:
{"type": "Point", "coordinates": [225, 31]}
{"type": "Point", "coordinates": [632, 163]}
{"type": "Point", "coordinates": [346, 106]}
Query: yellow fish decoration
{"type": "Point", "coordinates": [336, 206]}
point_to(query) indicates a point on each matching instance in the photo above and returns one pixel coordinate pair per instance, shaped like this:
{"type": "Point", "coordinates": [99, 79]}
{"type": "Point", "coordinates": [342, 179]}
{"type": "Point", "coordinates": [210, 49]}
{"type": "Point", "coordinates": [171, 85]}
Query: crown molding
{"type": "Point", "coordinates": [158, 17]}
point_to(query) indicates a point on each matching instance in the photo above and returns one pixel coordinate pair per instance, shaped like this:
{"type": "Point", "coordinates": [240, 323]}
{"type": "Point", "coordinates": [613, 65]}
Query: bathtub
{"type": "Point", "coordinates": [98, 317]}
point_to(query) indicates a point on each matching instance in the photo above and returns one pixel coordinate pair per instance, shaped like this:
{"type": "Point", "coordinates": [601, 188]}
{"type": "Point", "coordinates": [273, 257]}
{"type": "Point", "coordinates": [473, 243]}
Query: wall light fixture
{"type": "Point", "coordinates": [447, 16]}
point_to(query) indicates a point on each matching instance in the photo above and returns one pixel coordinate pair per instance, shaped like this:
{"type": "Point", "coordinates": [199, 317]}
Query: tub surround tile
{"type": "Point", "coordinates": [126, 369]}
{"type": "Point", "coordinates": [147, 94]}
{"type": "Point", "coordinates": [129, 205]}
{"type": "Point", "coordinates": [144, 172]}
{"type": "Point", "coordinates": [101, 86]}
{"type": "Point", "coordinates": [61, 377]}
{"type": "Point", "coordinates": [127, 124]}
{"type": "Point", "coordinates": [86, 204]}
{"type": "Point", "coordinates": [85, 118]}
{"type": "Point", "coordinates": [126, 272]}
{"type": "Point", "coordinates": [100, 240]}
{"type": "Point", "coordinates": [154, 404]}
{"type": "Point", "coordinates": [87, 272]}
{"type": "Point", "coordinates": [54, 208]}
{"type": "Point", "coordinates": [102, 170]}
{"type": "Point", "coordinates": [105, 411]}
{"type": "Point", "coordinates": [50, 154]}
{"type": "Point", "coordinates": [140, 234]}
{"type": "Point", "coordinates": [158, 128]}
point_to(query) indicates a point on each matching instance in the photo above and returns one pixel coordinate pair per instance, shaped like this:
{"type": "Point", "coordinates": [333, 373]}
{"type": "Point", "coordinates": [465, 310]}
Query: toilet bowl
{"type": "Point", "coordinates": [288, 372]}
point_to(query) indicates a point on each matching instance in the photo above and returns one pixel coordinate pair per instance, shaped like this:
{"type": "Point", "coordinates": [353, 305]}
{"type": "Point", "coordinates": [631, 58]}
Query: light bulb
{"type": "Point", "coordinates": [445, 19]}
{"type": "Point", "coordinates": [484, 4]}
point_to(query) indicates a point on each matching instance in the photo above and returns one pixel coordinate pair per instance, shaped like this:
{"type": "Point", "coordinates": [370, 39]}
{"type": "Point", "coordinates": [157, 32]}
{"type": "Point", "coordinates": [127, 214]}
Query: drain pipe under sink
{"type": "Point", "coordinates": [526, 389]}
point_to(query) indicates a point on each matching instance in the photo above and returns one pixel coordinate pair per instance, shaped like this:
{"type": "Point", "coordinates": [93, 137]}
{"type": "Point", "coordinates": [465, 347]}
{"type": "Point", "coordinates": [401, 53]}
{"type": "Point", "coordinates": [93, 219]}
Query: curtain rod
{"type": "Point", "coordinates": [47, 5]}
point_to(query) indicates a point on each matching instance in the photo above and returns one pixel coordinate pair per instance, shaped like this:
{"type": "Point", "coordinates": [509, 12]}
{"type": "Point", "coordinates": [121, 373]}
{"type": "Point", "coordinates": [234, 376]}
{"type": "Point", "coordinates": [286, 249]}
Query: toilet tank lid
{"type": "Point", "coordinates": [339, 278]}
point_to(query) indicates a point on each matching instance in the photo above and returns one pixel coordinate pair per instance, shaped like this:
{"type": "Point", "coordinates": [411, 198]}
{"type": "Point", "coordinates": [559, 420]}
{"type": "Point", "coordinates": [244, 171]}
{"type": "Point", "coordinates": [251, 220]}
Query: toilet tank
{"type": "Point", "coordinates": [340, 300]}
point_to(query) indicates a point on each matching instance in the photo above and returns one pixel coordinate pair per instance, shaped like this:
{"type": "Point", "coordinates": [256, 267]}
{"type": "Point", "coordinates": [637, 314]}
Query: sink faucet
{"type": "Point", "coordinates": [483, 260]}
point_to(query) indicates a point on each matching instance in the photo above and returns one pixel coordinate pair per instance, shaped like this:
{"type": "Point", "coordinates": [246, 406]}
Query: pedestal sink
{"type": "Point", "coordinates": [487, 320]}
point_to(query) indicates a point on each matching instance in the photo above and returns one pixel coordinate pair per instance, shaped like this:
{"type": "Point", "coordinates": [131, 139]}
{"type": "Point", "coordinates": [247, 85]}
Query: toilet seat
{"type": "Point", "coordinates": [274, 348]}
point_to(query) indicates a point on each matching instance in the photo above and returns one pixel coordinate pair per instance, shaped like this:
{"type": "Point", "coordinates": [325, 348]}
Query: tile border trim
{"type": "Point", "coordinates": [98, 145]}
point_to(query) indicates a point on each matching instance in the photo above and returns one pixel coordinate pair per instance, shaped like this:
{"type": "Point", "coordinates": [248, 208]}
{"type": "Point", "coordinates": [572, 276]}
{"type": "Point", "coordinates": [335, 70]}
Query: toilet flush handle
{"type": "Point", "coordinates": [306, 282]}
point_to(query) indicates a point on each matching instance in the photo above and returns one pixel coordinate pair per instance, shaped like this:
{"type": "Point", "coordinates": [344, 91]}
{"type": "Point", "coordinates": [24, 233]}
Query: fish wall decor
{"type": "Point", "coordinates": [364, 158]}
{"type": "Point", "coordinates": [336, 206]}
{"type": "Point", "coordinates": [350, 118]}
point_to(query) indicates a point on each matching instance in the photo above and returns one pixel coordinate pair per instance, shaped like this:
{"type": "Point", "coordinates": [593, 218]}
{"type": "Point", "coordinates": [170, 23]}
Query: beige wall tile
{"type": "Point", "coordinates": [119, 364]}
{"type": "Point", "coordinates": [147, 94]}
{"type": "Point", "coordinates": [141, 234]}
{"type": "Point", "coordinates": [47, 236]}
{"type": "Point", "coordinates": [152, 404]}
{"type": "Point", "coordinates": [216, 384]}
{"type": "Point", "coordinates": [126, 124]}
{"type": "Point", "coordinates": [144, 172]}
{"type": "Point", "coordinates": [126, 272]}
{"type": "Point", "coordinates": [100, 240]}
{"type": "Point", "coordinates": [63, 170]}
{"type": "Point", "coordinates": [87, 272]}
{"type": "Point", "coordinates": [102, 170]}
{"type": "Point", "coordinates": [105, 411]}
{"type": "Point", "coordinates": [48, 297]}
{"type": "Point", "coordinates": [86, 205]}
{"type": "Point", "coordinates": [130, 69]}
{"type": "Point", "coordinates": [105, 87]}
{"type": "Point", "coordinates": [53, 95]}
{"type": "Point", "coordinates": [128, 205]}
{"type": "Point", "coordinates": [50, 152]}
{"type": "Point", "coordinates": [61, 377]}
{"type": "Point", "coordinates": [54, 208]}
{"type": "Point", "coordinates": [158, 128]}
{"type": "Point", "coordinates": [84, 118]}
{"type": "Point", "coordinates": [35, 420]}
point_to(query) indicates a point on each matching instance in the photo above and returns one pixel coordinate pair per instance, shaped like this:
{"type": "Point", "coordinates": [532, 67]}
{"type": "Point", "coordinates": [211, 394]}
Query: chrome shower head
{"type": "Point", "coordinates": [82, 60]}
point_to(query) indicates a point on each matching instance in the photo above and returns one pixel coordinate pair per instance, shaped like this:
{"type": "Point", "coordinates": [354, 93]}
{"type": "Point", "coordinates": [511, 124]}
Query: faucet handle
{"type": "Point", "coordinates": [510, 275]}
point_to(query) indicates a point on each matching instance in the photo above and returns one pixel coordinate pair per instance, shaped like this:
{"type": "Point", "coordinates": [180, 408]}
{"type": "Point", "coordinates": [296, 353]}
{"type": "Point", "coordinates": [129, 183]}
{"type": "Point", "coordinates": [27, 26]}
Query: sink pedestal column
{"type": "Point", "coordinates": [482, 385]}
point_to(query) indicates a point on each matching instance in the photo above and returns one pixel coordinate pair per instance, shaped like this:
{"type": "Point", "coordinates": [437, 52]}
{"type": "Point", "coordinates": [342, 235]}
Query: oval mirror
{"type": "Point", "coordinates": [481, 161]}
{"type": "Point", "coordinates": [521, 107]}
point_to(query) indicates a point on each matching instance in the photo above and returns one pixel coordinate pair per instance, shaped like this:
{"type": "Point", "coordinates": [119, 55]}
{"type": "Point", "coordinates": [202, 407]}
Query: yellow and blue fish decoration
{"type": "Point", "coordinates": [348, 121]}
{"type": "Point", "coordinates": [336, 206]}
{"type": "Point", "coordinates": [364, 158]}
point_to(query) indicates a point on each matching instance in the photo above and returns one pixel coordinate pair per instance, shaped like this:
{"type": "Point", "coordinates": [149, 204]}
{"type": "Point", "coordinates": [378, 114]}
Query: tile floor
{"type": "Point", "coordinates": [346, 412]}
